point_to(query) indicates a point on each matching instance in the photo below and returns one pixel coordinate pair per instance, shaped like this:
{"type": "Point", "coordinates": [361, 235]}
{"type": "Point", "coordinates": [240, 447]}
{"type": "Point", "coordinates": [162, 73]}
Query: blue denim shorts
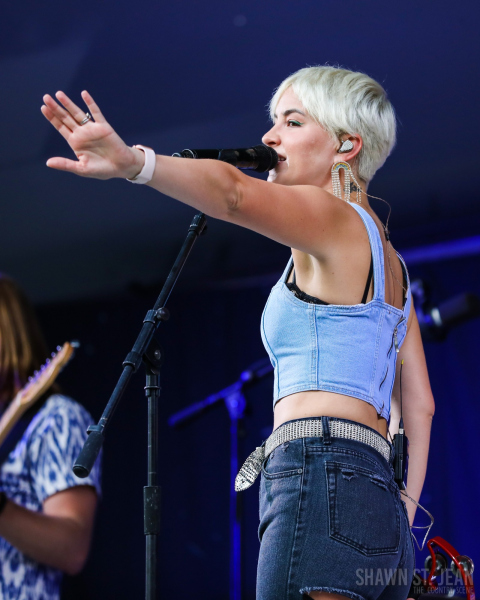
{"type": "Point", "coordinates": [332, 519]}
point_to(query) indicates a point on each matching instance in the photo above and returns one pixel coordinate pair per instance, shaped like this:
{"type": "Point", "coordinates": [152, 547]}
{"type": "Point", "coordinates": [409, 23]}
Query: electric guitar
{"type": "Point", "coordinates": [36, 385]}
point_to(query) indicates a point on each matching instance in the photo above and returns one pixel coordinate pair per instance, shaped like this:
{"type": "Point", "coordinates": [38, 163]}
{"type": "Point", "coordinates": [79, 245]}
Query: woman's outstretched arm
{"type": "Point", "coordinates": [305, 217]}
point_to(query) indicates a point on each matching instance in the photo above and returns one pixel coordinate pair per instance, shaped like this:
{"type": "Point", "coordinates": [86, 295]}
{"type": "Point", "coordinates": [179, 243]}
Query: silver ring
{"type": "Point", "coordinates": [88, 117]}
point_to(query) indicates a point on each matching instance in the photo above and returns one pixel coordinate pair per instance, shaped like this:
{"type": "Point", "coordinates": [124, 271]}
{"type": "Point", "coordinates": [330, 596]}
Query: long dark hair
{"type": "Point", "coordinates": [22, 345]}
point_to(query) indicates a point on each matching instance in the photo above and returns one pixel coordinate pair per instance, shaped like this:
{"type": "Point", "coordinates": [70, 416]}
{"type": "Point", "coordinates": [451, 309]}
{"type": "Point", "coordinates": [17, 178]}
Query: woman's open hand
{"type": "Point", "coordinates": [100, 151]}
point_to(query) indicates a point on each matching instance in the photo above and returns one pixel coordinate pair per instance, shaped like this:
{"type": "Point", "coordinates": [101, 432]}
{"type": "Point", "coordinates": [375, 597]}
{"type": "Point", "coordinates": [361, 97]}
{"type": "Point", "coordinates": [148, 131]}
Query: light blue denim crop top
{"type": "Point", "coordinates": [349, 350]}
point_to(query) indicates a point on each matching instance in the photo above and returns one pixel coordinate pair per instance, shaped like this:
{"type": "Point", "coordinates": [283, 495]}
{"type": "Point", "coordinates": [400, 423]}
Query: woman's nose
{"type": "Point", "coordinates": [271, 137]}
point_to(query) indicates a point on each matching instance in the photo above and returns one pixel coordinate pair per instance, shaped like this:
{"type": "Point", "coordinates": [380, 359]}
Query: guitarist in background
{"type": "Point", "coordinates": [46, 513]}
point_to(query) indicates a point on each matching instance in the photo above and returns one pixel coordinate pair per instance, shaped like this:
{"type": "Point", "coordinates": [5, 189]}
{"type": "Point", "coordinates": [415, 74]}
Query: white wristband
{"type": "Point", "coordinates": [148, 170]}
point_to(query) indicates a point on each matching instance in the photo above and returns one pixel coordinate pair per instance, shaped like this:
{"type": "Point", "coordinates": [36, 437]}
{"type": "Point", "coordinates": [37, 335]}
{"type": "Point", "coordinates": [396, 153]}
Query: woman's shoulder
{"type": "Point", "coordinates": [60, 411]}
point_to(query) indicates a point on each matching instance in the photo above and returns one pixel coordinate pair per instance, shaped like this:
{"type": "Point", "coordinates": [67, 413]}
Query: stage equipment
{"type": "Point", "coordinates": [400, 443]}
{"type": "Point", "coordinates": [147, 350]}
{"type": "Point", "coordinates": [235, 401]}
{"type": "Point", "coordinates": [461, 567]}
{"type": "Point", "coordinates": [436, 321]}
{"type": "Point", "coordinates": [259, 158]}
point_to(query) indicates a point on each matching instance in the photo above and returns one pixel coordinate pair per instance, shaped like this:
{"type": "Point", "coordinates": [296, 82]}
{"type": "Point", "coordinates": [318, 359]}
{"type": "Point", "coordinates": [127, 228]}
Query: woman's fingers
{"type": "Point", "coordinates": [59, 112]}
{"type": "Point", "coordinates": [77, 113]}
{"type": "Point", "coordinates": [101, 153]}
{"type": "Point", "coordinates": [92, 105]}
{"type": "Point", "coordinates": [69, 113]}
{"type": "Point", "coordinates": [59, 125]}
{"type": "Point", "coordinates": [65, 164]}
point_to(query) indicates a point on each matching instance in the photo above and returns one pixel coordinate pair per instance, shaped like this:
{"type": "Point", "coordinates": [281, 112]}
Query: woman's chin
{"type": "Point", "coordinates": [275, 177]}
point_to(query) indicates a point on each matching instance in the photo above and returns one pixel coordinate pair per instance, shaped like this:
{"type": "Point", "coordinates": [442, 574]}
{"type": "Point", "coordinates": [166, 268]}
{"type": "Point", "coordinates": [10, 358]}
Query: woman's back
{"type": "Point", "coordinates": [351, 378]}
{"type": "Point", "coordinates": [339, 276]}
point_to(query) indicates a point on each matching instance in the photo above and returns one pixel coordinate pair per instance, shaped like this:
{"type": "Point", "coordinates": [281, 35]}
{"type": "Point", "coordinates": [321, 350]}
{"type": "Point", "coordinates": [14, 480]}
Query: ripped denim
{"type": "Point", "coordinates": [332, 519]}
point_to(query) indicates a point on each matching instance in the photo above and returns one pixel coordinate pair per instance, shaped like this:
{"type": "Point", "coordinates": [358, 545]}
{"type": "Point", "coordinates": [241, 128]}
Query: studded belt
{"type": "Point", "coordinates": [293, 430]}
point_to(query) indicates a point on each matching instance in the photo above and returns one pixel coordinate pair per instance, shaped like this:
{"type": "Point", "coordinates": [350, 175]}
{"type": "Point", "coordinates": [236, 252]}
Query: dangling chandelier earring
{"type": "Point", "coordinates": [337, 186]}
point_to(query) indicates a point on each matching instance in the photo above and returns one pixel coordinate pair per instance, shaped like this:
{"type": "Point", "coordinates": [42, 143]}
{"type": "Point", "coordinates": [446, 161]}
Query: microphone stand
{"type": "Point", "coordinates": [236, 403]}
{"type": "Point", "coordinates": [147, 350]}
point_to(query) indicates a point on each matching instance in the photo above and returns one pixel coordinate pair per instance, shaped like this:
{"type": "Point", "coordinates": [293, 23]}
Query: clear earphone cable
{"type": "Point", "coordinates": [427, 527]}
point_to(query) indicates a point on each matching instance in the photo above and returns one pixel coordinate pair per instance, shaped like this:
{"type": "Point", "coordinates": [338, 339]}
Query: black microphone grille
{"type": "Point", "coordinates": [267, 158]}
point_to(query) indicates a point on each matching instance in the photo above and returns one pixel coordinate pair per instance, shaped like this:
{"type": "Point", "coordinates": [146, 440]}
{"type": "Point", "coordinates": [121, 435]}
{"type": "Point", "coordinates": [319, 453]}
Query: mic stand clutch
{"type": "Point", "coordinates": [147, 350]}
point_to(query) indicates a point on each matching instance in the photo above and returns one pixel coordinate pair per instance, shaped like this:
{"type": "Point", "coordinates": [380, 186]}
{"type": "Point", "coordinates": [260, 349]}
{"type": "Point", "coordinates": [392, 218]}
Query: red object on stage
{"type": "Point", "coordinates": [437, 562]}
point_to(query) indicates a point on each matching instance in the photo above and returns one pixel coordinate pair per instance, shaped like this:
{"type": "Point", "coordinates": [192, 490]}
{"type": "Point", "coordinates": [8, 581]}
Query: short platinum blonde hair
{"type": "Point", "coordinates": [342, 102]}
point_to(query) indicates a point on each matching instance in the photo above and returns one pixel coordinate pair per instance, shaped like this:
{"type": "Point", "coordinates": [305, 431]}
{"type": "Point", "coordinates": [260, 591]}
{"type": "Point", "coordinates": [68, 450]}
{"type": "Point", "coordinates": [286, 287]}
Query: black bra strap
{"type": "Point", "coordinates": [312, 299]}
{"type": "Point", "coordinates": [369, 281]}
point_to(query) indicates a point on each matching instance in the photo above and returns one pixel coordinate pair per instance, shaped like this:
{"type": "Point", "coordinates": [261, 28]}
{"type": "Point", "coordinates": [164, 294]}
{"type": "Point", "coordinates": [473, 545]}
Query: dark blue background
{"type": "Point", "coordinates": [91, 254]}
{"type": "Point", "coordinates": [200, 74]}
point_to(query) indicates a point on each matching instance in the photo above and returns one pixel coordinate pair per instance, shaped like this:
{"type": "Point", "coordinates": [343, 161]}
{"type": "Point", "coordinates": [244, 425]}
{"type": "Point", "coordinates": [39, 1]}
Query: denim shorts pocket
{"type": "Point", "coordinates": [363, 509]}
{"type": "Point", "coordinates": [285, 461]}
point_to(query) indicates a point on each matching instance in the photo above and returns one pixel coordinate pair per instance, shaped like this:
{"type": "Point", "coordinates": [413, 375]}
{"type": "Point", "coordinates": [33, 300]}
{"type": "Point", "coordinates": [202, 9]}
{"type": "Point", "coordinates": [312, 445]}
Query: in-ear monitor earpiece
{"type": "Point", "coordinates": [346, 146]}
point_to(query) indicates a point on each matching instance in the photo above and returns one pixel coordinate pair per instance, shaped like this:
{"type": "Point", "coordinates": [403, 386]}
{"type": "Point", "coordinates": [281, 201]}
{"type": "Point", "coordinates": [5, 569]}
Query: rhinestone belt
{"type": "Point", "coordinates": [306, 428]}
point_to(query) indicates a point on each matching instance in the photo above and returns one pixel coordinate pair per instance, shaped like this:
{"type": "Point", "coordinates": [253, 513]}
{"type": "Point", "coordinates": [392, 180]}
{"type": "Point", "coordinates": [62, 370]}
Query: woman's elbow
{"type": "Point", "coordinates": [76, 554]}
{"type": "Point", "coordinates": [426, 408]}
{"type": "Point", "coordinates": [422, 408]}
{"type": "Point", "coordinates": [430, 406]}
{"type": "Point", "coordinates": [76, 560]}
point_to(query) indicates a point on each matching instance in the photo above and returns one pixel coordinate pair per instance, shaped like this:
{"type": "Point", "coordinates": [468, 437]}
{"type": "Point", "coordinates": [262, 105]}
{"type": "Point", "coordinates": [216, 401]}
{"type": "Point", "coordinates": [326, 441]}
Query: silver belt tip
{"type": "Point", "coordinates": [250, 469]}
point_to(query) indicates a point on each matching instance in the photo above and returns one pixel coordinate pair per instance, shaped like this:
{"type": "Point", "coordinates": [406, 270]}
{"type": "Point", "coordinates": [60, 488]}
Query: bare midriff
{"type": "Point", "coordinates": [318, 404]}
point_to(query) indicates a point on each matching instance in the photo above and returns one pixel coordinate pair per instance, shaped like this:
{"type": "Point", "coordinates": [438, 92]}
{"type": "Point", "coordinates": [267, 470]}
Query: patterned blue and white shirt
{"type": "Point", "coordinates": [39, 466]}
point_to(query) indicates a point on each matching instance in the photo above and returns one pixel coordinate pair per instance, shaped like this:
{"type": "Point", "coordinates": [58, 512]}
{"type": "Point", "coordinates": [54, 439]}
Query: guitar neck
{"type": "Point", "coordinates": [36, 386]}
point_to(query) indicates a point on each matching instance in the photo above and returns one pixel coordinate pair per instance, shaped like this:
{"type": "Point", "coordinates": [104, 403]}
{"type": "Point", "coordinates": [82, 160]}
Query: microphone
{"type": "Point", "coordinates": [259, 158]}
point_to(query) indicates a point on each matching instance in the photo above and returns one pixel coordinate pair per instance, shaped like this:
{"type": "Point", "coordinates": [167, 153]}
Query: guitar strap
{"type": "Point", "coordinates": [20, 427]}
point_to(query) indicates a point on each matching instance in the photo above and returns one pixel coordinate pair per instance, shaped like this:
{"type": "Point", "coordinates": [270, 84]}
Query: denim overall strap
{"type": "Point", "coordinates": [285, 273]}
{"type": "Point", "coordinates": [408, 301]}
{"type": "Point", "coordinates": [377, 253]}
